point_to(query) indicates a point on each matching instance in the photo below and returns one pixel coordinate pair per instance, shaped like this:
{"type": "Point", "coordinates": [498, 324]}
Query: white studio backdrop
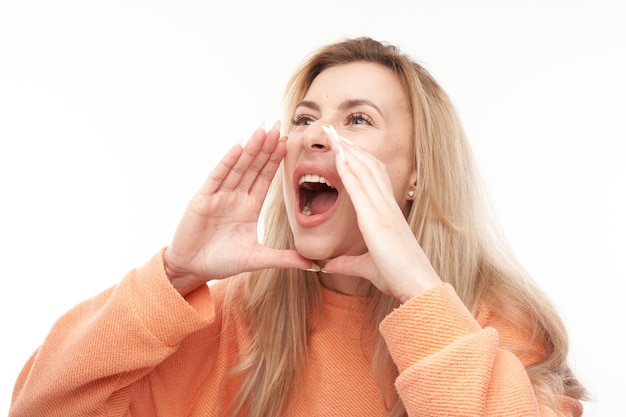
{"type": "Point", "coordinates": [113, 112]}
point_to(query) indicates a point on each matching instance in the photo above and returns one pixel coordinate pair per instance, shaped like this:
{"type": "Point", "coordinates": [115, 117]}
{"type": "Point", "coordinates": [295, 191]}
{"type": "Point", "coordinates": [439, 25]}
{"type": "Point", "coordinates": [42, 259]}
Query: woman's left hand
{"type": "Point", "coordinates": [395, 262]}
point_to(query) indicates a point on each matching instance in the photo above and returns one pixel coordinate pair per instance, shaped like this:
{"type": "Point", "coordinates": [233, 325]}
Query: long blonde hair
{"type": "Point", "coordinates": [449, 220]}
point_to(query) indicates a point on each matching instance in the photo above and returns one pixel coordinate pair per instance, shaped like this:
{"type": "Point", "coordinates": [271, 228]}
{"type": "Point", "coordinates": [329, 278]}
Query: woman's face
{"type": "Point", "coordinates": [366, 103]}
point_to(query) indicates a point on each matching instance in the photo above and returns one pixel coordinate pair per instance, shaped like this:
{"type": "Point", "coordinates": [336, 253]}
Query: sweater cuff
{"type": "Point", "coordinates": [426, 324]}
{"type": "Point", "coordinates": [164, 312]}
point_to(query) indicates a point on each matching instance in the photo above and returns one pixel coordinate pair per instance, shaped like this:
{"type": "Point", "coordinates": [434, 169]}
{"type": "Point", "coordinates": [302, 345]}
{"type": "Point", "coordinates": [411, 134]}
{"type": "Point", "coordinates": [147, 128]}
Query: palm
{"type": "Point", "coordinates": [395, 263]}
{"type": "Point", "coordinates": [223, 239]}
{"type": "Point", "coordinates": [217, 236]}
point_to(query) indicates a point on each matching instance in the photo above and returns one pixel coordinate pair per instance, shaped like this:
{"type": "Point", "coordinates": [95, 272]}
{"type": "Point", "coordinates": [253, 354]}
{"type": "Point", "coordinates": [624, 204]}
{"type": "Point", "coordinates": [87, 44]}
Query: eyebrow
{"type": "Point", "coordinates": [348, 104]}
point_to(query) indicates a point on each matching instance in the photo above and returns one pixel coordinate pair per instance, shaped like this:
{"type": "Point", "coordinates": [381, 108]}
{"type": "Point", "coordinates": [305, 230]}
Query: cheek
{"type": "Point", "coordinates": [287, 172]}
{"type": "Point", "coordinates": [397, 159]}
{"type": "Point", "coordinates": [400, 175]}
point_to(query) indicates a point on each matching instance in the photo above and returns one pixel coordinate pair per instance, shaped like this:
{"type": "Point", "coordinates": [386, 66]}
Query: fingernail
{"type": "Point", "coordinates": [277, 125]}
{"type": "Point", "coordinates": [333, 133]}
{"type": "Point", "coordinates": [330, 130]}
{"type": "Point", "coordinates": [284, 138]}
{"type": "Point", "coordinates": [313, 268]}
{"type": "Point", "coordinates": [262, 126]}
{"type": "Point", "coordinates": [342, 154]}
{"type": "Point", "coordinates": [337, 137]}
{"type": "Point", "coordinates": [323, 271]}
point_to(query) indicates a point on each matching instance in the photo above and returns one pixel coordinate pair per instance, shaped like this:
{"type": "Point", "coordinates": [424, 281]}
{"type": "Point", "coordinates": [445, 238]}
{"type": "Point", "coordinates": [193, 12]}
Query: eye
{"type": "Point", "coordinates": [360, 119]}
{"type": "Point", "coordinates": [302, 120]}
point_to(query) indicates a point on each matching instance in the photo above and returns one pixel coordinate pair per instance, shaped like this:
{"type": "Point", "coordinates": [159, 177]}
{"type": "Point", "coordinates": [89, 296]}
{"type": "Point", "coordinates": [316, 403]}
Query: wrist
{"type": "Point", "coordinates": [421, 284]}
{"type": "Point", "coordinates": [183, 282]}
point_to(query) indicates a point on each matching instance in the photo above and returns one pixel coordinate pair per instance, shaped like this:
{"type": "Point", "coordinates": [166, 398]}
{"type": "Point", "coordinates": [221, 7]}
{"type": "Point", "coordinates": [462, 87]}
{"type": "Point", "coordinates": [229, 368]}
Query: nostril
{"type": "Point", "coordinates": [318, 146]}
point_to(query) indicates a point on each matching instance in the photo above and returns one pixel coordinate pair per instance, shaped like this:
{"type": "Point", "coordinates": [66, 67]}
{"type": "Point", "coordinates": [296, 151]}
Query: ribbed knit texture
{"type": "Point", "coordinates": [141, 350]}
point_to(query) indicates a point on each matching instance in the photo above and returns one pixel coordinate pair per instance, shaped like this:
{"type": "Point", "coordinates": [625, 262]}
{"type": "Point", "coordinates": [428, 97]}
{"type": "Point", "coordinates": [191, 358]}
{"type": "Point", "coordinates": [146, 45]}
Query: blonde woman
{"type": "Point", "coordinates": [381, 288]}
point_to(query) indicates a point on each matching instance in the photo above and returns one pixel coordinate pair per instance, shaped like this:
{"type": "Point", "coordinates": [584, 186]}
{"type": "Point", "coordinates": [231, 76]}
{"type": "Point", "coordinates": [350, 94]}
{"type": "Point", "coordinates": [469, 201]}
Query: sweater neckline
{"type": "Point", "coordinates": [344, 301]}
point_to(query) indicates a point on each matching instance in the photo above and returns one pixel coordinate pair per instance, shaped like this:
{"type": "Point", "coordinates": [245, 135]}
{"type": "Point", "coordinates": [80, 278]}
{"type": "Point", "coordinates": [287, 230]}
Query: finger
{"type": "Point", "coordinates": [264, 179]}
{"type": "Point", "coordinates": [280, 259]}
{"type": "Point", "coordinates": [337, 147]}
{"type": "Point", "coordinates": [360, 266]}
{"type": "Point", "coordinates": [369, 173]}
{"type": "Point", "coordinates": [365, 178]}
{"type": "Point", "coordinates": [250, 151]}
{"type": "Point", "coordinates": [223, 168]}
{"type": "Point", "coordinates": [353, 183]}
{"type": "Point", "coordinates": [362, 164]}
{"type": "Point", "coordinates": [258, 165]}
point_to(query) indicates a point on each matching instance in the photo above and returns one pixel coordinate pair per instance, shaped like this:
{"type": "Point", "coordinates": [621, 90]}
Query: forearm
{"type": "Point", "coordinates": [105, 344]}
{"type": "Point", "coordinates": [449, 365]}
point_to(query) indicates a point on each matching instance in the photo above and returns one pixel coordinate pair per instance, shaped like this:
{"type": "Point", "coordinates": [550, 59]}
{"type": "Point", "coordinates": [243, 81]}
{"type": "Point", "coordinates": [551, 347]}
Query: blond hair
{"type": "Point", "coordinates": [450, 222]}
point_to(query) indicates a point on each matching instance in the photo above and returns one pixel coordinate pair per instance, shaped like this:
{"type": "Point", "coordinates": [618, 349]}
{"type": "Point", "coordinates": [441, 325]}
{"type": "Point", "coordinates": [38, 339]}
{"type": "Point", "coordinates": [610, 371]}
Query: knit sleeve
{"type": "Point", "coordinates": [94, 353]}
{"type": "Point", "coordinates": [449, 365]}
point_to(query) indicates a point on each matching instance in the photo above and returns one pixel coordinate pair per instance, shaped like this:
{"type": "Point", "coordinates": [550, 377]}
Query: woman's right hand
{"type": "Point", "coordinates": [217, 236]}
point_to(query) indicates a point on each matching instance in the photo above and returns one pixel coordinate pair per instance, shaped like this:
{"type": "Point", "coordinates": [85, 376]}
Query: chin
{"type": "Point", "coordinates": [322, 249]}
{"type": "Point", "coordinates": [314, 252]}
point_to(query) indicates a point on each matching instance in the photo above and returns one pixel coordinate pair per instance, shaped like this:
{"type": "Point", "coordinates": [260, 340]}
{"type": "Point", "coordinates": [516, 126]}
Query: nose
{"type": "Point", "coordinates": [315, 139]}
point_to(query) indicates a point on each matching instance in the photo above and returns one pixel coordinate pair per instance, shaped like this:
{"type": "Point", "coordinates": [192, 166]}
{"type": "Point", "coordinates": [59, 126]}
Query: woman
{"type": "Point", "coordinates": [380, 289]}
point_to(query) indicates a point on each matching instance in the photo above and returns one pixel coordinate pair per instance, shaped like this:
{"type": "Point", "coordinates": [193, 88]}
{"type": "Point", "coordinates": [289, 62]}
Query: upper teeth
{"type": "Point", "coordinates": [314, 178]}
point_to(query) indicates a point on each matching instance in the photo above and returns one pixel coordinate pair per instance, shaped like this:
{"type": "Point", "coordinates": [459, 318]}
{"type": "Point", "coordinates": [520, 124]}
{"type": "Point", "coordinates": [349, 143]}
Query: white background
{"type": "Point", "coordinates": [113, 112]}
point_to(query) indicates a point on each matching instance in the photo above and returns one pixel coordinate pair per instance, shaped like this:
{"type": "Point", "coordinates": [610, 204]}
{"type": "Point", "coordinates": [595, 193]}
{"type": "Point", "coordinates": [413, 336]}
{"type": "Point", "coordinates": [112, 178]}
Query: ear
{"type": "Point", "coordinates": [411, 186]}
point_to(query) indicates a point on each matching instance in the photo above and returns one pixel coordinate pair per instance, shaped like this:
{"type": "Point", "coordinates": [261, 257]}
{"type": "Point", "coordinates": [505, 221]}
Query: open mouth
{"type": "Point", "coordinates": [316, 194]}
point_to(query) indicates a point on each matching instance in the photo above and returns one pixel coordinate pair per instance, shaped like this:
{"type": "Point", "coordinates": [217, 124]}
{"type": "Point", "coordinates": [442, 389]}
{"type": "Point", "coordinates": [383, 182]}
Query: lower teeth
{"type": "Point", "coordinates": [306, 210]}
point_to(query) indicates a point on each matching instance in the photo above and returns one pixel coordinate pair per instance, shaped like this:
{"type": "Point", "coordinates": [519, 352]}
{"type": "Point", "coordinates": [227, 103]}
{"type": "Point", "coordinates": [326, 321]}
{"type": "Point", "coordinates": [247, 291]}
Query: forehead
{"type": "Point", "coordinates": [358, 79]}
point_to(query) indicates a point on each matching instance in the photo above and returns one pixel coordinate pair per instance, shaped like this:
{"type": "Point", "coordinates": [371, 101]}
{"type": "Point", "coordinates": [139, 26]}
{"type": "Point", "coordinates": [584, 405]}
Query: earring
{"type": "Point", "coordinates": [411, 194]}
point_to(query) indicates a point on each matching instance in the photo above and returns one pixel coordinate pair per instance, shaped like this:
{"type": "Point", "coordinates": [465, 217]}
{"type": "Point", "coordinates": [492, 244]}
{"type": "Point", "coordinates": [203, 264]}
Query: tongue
{"type": "Point", "coordinates": [323, 201]}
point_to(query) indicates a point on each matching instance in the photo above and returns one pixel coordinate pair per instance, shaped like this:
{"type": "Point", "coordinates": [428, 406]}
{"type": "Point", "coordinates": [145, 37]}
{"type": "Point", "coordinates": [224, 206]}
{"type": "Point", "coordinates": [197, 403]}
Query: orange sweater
{"type": "Point", "coordinates": [140, 349]}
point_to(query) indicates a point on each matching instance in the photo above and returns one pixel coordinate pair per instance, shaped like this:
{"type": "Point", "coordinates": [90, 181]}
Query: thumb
{"type": "Point", "coordinates": [279, 259]}
{"type": "Point", "coordinates": [360, 266]}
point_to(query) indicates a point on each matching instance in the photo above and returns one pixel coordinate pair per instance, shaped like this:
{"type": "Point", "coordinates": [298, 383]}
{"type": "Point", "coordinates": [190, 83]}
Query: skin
{"type": "Point", "coordinates": [364, 238]}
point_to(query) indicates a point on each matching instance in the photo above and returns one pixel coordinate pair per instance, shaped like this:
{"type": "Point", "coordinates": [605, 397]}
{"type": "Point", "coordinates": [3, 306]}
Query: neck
{"type": "Point", "coordinates": [345, 284]}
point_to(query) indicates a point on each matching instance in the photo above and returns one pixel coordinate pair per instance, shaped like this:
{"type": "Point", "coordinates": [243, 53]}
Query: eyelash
{"type": "Point", "coordinates": [298, 119]}
{"type": "Point", "coordinates": [360, 116]}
